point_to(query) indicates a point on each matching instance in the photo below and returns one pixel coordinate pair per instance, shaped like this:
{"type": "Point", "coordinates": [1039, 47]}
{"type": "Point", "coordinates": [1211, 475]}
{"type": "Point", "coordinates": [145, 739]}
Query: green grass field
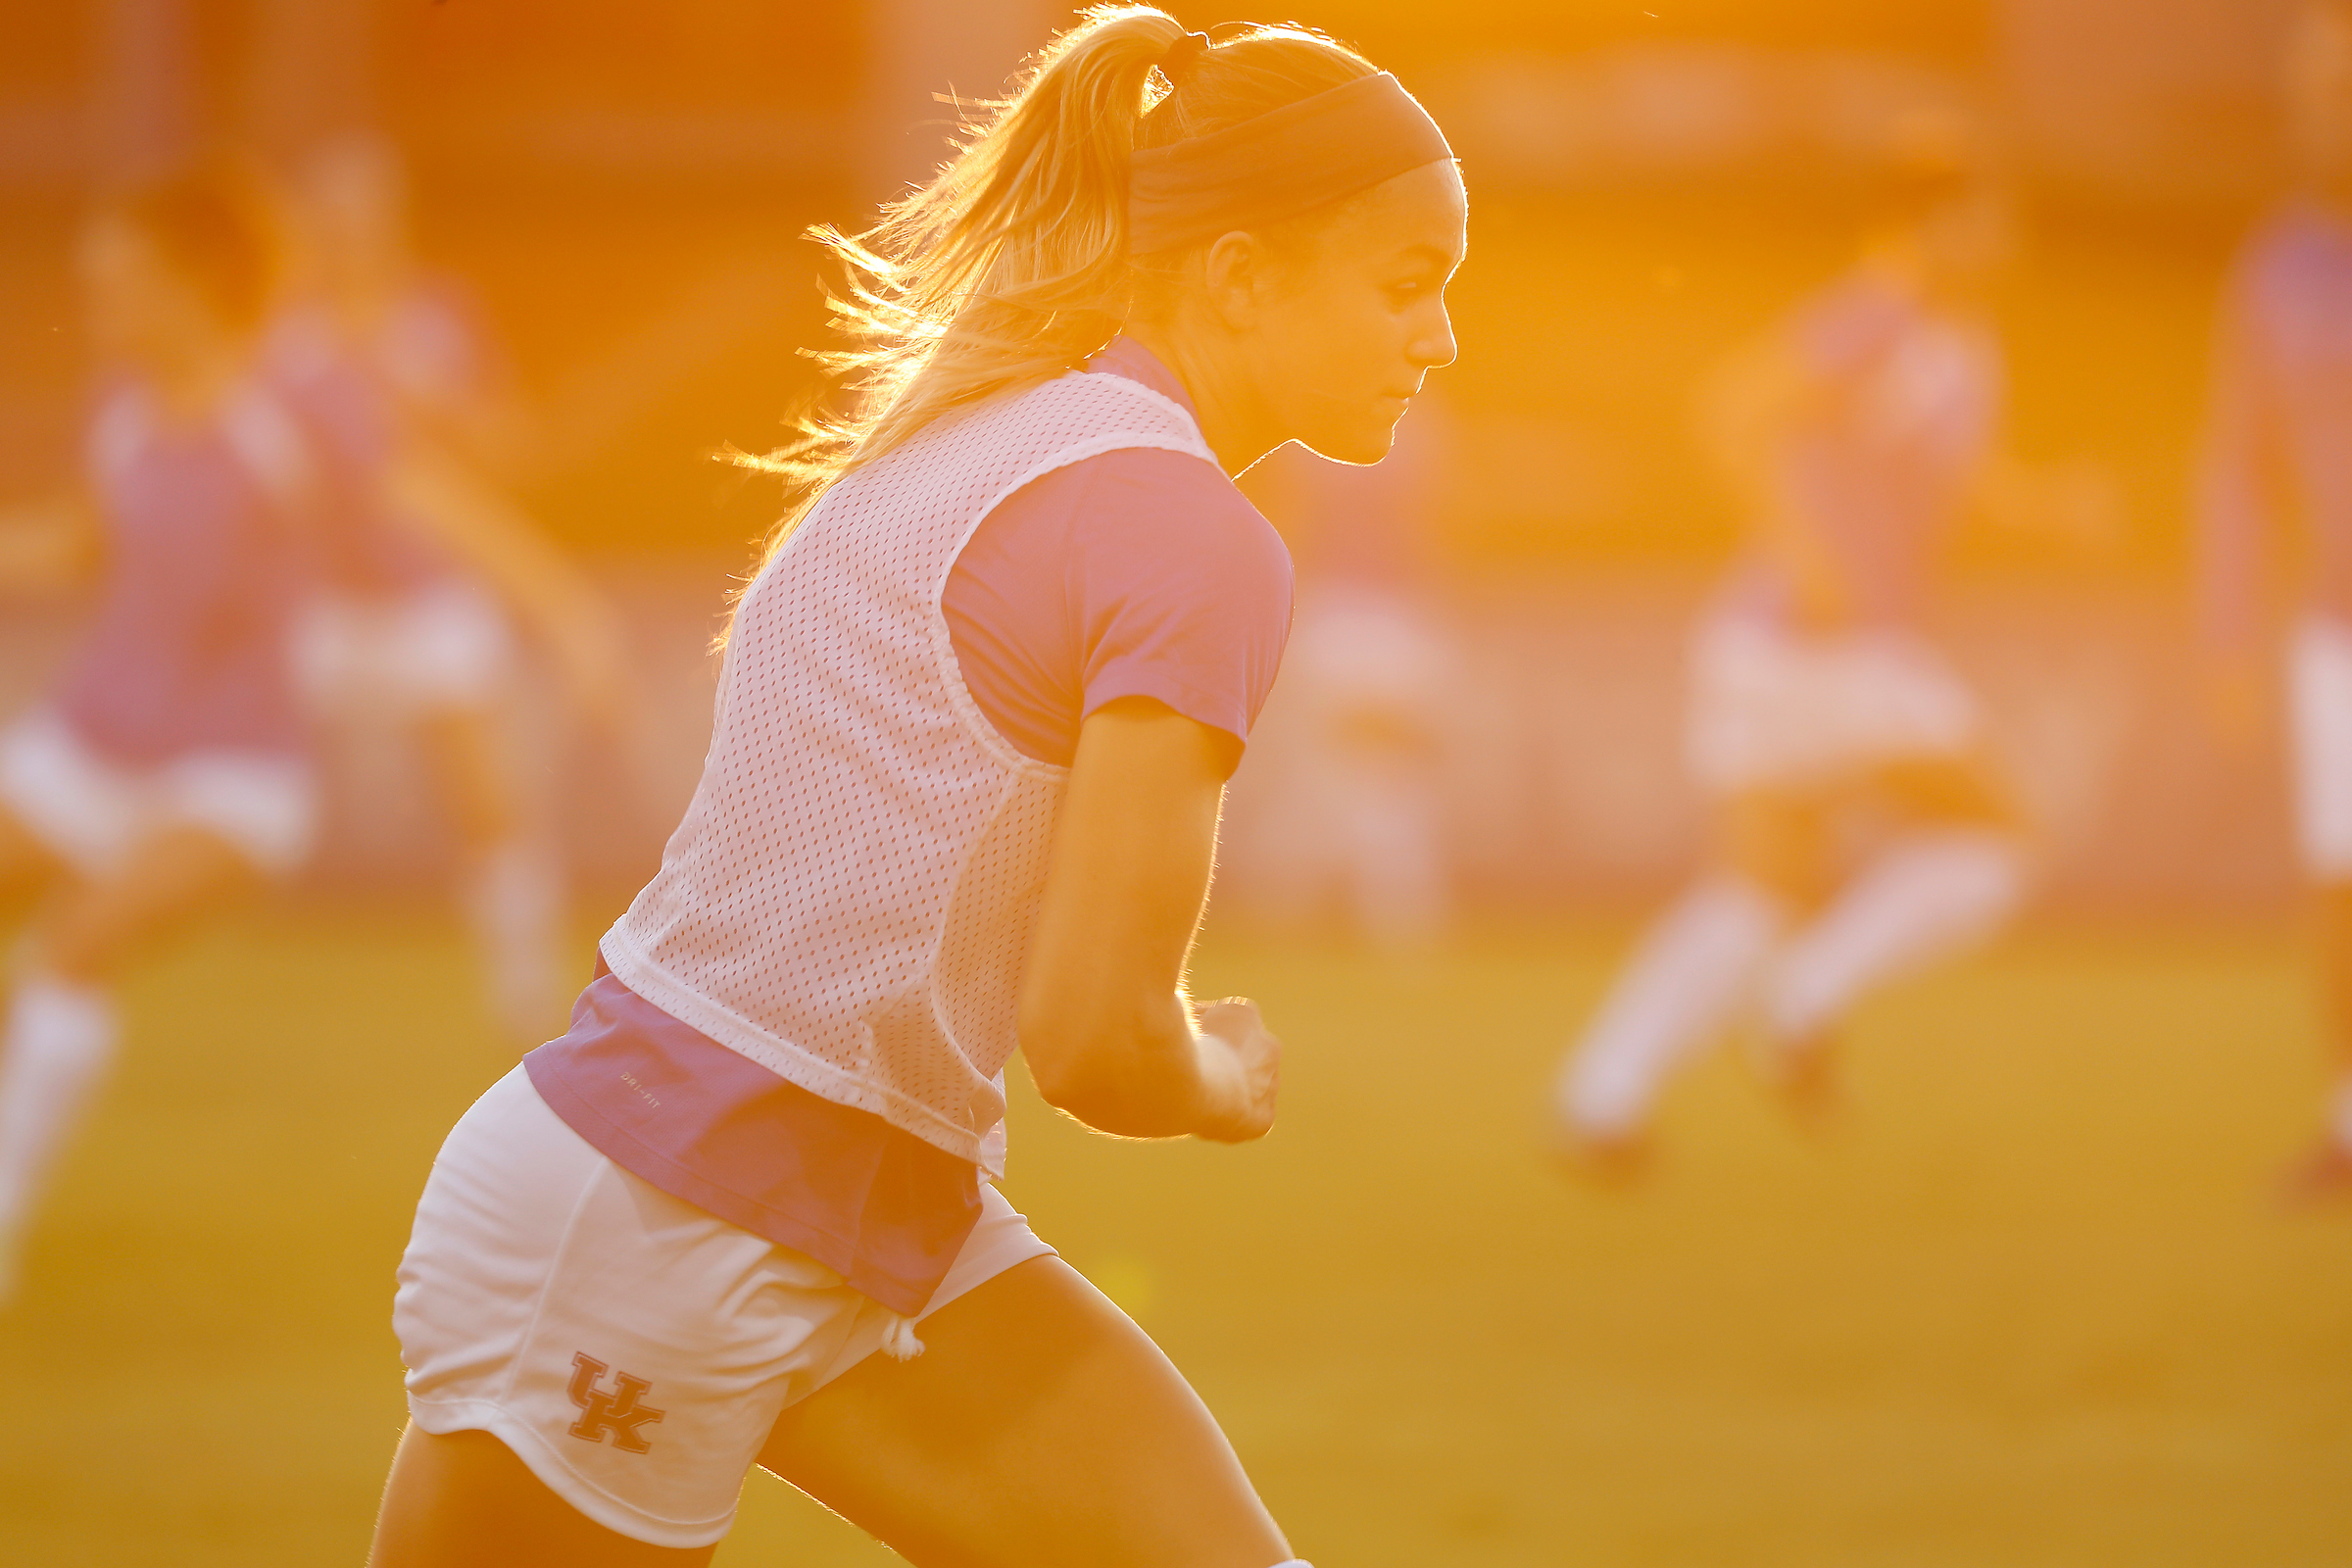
{"type": "Point", "coordinates": [2028, 1307]}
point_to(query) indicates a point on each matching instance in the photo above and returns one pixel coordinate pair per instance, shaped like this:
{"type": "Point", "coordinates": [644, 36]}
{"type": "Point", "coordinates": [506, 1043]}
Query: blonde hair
{"type": "Point", "coordinates": [1011, 265]}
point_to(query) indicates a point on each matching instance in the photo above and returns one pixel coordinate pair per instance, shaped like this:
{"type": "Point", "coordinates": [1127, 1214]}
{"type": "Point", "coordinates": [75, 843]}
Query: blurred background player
{"type": "Point", "coordinates": [2279, 441]}
{"type": "Point", "coordinates": [429, 569]}
{"type": "Point", "coordinates": [1863, 830]}
{"type": "Point", "coordinates": [166, 767]}
{"type": "Point", "coordinates": [1359, 807]}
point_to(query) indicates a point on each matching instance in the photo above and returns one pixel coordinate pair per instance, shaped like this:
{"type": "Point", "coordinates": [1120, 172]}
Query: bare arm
{"type": "Point", "coordinates": [1105, 1025]}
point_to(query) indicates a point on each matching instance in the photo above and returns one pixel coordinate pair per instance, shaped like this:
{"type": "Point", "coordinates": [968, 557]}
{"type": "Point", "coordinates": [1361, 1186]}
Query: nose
{"type": "Point", "coordinates": [1434, 347]}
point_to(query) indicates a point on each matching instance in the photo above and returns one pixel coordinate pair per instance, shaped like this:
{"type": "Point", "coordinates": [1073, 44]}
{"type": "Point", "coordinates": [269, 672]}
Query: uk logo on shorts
{"type": "Point", "coordinates": [618, 1412]}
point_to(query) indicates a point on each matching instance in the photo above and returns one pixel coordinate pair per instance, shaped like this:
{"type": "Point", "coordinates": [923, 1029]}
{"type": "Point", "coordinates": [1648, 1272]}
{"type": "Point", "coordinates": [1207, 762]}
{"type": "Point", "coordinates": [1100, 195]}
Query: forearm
{"type": "Point", "coordinates": [1104, 1025]}
{"type": "Point", "coordinates": [1157, 1075]}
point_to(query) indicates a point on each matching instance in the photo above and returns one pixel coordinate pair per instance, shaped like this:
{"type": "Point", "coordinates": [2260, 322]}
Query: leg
{"type": "Point", "coordinates": [46, 1064]}
{"type": "Point", "coordinates": [1040, 1428]}
{"type": "Point", "coordinates": [102, 924]}
{"type": "Point", "coordinates": [514, 895]}
{"type": "Point", "coordinates": [463, 752]}
{"type": "Point", "coordinates": [2319, 691]}
{"type": "Point", "coordinates": [2335, 974]}
{"type": "Point", "coordinates": [1397, 864]}
{"type": "Point", "coordinates": [1695, 972]}
{"type": "Point", "coordinates": [61, 1027]}
{"type": "Point", "coordinates": [465, 1501]}
{"type": "Point", "coordinates": [27, 868]}
{"type": "Point", "coordinates": [1931, 894]}
{"type": "Point", "coordinates": [2324, 1171]}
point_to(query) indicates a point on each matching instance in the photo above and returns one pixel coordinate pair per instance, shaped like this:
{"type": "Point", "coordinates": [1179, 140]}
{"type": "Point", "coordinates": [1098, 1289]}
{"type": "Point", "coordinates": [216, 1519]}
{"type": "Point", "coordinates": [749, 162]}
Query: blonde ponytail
{"type": "Point", "coordinates": [1011, 265]}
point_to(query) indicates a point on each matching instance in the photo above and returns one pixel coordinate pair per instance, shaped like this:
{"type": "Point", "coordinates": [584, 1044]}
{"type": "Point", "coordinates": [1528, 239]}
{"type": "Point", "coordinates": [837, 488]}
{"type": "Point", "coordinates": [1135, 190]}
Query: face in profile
{"type": "Point", "coordinates": [1366, 319]}
{"type": "Point", "coordinates": [2318, 92]}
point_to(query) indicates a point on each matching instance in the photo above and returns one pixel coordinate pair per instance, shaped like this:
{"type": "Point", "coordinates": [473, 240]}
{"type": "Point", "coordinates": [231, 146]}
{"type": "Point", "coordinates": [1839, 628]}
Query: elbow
{"type": "Point", "coordinates": [1093, 1073]}
{"type": "Point", "coordinates": [1068, 1076]}
{"type": "Point", "coordinates": [1081, 1096]}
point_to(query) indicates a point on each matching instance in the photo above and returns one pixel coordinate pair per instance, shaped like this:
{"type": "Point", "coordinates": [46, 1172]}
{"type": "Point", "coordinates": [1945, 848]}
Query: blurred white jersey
{"type": "Point", "coordinates": [849, 899]}
{"type": "Point", "coordinates": [1775, 708]}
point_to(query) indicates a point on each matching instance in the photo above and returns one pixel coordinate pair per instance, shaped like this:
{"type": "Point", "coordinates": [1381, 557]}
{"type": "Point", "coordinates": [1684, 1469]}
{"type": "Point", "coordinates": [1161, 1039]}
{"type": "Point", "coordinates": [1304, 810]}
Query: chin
{"type": "Point", "coordinates": [1360, 444]}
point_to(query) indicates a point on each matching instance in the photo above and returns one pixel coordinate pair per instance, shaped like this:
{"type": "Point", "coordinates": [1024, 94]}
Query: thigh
{"type": "Point", "coordinates": [1779, 840]}
{"type": "Point", "coordinates": [465, 1500]}
{"type": "Point", "coordinates": [174, 875]}
{"type": "Point", "coordinates": [27, 866]}
{"type": "Point", "coordinates": [466, 752]}
{"type": "Point", "coordinates": [1040, 1428]}
{"type": "Point", "coordinates": [1966, 791]}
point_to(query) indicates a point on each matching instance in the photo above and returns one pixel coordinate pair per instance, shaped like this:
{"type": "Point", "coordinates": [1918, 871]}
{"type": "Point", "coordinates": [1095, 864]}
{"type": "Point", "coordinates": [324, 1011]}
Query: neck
{"type": "Point", "coordinates": [1234, 419]}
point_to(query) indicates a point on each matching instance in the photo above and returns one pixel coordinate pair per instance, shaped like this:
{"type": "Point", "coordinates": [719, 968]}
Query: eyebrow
{"type": "Point", "coordinates": [1436, 256]}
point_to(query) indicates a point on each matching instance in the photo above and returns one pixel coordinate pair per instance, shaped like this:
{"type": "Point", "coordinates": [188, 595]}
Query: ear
{"type": "Point", "coordinates": [1239, 275]}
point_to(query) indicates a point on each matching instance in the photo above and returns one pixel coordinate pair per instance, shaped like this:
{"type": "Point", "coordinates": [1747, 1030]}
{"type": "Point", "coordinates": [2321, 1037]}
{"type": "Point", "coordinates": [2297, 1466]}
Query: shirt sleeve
{"type": "Point", "coordinates": [1180, 589]}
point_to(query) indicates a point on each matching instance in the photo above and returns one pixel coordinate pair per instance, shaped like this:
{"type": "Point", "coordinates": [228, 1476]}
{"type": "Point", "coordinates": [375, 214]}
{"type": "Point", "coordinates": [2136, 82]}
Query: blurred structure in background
{"type": "Point", "coordinates": [620, 189]}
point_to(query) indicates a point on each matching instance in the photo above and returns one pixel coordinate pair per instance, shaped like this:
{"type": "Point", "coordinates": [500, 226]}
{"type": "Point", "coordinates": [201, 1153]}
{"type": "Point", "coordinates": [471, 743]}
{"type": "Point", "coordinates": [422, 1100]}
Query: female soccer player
{"type": "Point", "coordinates": [2281, 431]}
{"type": "Point", "coordinates": [1863, 829]}
{"type": "Point", "coordinates": [975, 721]}
{"type": "Point", "coordinates": [428, 566]}
{"type": "Point", "coordinates": [166, 767]}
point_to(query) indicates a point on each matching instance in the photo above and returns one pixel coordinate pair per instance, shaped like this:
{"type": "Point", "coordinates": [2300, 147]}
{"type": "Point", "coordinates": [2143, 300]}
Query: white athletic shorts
{"type": "Point", "coordinates": [1771, 706]}
{"type": "Point", "coordinates": [631, 1348]}
{"type": "Point", "coordinates": [92, 812]}
{"type": "Point", "coordinates": [444, 646]}
{"type": "Point", "coordinates": [2319, 690]}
